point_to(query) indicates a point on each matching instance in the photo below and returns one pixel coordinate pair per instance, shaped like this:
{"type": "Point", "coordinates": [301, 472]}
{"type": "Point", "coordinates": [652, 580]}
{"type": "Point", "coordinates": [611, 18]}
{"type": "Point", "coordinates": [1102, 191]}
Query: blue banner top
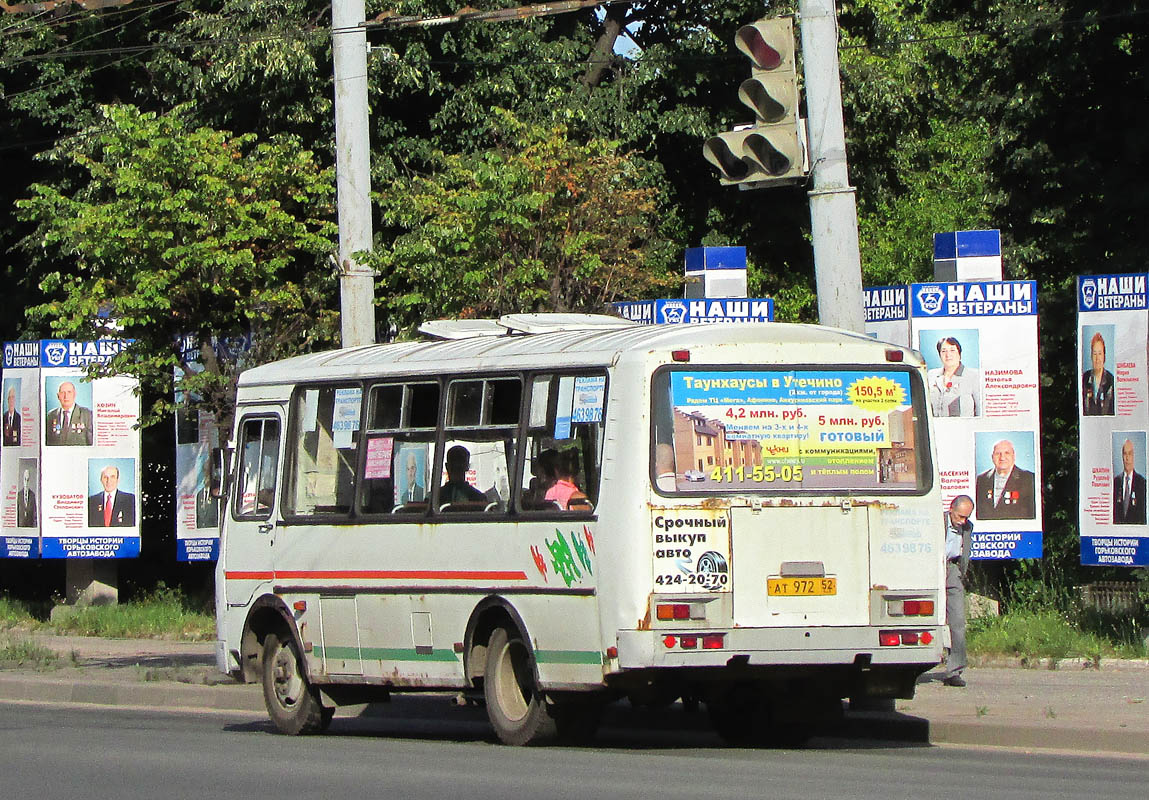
{"type": "Point", "coordinates": [703, 258]}
{"type": "Point", "coordinates": [886, 303]}
{"type": "Point", "coordinates": [976, 299]}
{"type": "Point", "coordinates": [1111, 292]}
{"type": "Point", "coordinates": [61, 352]}
{"type": "Point", "coordinates": [966, 244]}
{"type": "Point", "coordinates": [726, 309]}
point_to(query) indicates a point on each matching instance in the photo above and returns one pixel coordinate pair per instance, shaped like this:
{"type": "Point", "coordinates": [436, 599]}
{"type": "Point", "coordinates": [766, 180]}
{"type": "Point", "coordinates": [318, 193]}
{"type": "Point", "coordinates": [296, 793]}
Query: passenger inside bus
{"type": "Point", "coordinates": [565, 492]}
{"type": "Point", "coordinates": [542, 478]}
{"type": "Point", "coordinates": [456, 489]}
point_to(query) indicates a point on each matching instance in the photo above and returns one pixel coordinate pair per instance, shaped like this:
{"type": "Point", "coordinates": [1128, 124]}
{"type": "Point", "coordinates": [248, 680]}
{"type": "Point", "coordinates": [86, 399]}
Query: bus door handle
{"type": "Point", "coordinates": [265, 527]}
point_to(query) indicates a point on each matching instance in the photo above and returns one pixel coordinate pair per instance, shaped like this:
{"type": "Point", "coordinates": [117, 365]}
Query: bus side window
{"type": "Point", "coordinates": [564, 444]}
{"type": "Point", "coordinates": [482, 426]}
{"type": "Point", "coordinates": [255, 472]}
{"type": "Point", "coordinates": [399, 448]}
{"type": "Point", "coordinates": [325, 424]}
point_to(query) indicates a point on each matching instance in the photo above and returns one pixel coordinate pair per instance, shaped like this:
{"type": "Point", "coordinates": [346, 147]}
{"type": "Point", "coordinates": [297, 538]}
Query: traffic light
{"type": "Point", "coordinates": [771, 150]}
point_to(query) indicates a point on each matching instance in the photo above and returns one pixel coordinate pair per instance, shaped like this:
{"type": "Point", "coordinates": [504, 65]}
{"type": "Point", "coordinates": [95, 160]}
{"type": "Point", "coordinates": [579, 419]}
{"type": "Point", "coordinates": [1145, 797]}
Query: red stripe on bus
{"type": "Point", "coordinates": [367, 574]}
{"type": "Point", "coordinates": [249, 576]}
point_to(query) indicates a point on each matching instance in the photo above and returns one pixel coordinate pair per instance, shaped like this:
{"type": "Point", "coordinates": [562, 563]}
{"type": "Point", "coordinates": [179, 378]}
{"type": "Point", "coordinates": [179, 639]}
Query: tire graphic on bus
{"type": "Point", "coordinates": [712, 572]}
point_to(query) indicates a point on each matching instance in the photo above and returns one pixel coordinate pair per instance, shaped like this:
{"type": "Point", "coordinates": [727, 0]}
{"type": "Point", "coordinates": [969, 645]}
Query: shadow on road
{"type": "Point", "coordinates": [439, 718]}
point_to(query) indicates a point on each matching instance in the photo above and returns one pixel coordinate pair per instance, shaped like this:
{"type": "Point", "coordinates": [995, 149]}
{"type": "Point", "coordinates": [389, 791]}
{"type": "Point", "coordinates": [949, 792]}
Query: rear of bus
{"type": "Point", "coordinates": [795, 530]}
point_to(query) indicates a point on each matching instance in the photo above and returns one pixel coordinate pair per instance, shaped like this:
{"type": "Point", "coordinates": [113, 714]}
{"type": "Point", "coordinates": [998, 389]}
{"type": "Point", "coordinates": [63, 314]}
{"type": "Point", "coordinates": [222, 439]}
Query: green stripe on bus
{"type": "Point", "coordinates": [402, 654]}
{"type": "Point", "coordinates": [384, 654]}
{"type": "Point", "coordinates": [568, 657]}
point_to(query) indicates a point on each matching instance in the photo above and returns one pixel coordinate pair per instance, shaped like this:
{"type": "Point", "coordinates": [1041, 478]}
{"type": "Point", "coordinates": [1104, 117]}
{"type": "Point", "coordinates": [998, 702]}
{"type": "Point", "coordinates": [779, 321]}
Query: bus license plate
{"type": "Point", "coordinates": [801, 587]}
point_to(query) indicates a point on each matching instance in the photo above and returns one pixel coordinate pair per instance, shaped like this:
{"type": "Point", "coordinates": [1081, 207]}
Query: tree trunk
{"type": "Point", "coordinates": [603, 53]}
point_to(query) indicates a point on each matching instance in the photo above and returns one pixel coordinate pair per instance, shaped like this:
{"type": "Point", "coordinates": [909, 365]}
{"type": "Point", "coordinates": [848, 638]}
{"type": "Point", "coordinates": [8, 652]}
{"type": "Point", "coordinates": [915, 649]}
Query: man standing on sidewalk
{"type": "Point", "coordinates": [958, 533]}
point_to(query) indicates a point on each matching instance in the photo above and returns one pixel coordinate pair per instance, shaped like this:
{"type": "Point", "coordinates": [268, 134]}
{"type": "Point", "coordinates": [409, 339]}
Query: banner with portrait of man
{"type": "Point", "coordinates": [71, 482]}
{"type": "Point", "coordinates": [979, 340]}
{"type": "Point", "coordinates": [20, 452]}
{"type": "Point", "coordinates": [1113, 404]}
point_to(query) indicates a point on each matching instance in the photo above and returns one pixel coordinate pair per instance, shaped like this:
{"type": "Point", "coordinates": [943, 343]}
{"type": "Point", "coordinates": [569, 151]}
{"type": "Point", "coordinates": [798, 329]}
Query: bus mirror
{"type": "Point", "coordinates": [217, 472]}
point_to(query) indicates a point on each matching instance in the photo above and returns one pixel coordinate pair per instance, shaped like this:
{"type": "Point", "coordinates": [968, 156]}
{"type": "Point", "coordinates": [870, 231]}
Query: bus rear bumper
{"type": "Point", "coordinates": [780, 647]}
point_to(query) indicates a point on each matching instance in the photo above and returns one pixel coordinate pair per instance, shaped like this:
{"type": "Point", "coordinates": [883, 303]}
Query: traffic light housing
{"type": "Point", "coordinates": [771, 150]}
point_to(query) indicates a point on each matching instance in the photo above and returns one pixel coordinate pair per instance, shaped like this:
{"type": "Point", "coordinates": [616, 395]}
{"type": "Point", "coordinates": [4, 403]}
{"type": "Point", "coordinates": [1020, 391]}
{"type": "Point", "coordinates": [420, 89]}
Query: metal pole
{"type": "Point", "coordinates": [352, 171]}
{"type": "Point", "coordinates": [833, 214]}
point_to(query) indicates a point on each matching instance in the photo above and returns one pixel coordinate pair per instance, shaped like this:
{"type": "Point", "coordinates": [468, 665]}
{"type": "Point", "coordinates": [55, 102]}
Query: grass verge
{"type": "Point", "coordinates": [163, 614]}
{"type": "Point", "coordinates": [22, 653]}
{"type": "Point", "coordinates": [1033, 635]}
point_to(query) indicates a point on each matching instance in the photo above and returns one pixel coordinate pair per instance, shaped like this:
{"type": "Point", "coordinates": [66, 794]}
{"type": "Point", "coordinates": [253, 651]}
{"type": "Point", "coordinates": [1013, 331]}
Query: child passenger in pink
{"type": "Point", "coordinates": [564, 491]}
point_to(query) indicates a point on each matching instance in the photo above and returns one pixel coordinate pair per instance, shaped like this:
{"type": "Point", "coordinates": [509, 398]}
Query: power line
{"type": "Point", "coordinates": [315, 32]}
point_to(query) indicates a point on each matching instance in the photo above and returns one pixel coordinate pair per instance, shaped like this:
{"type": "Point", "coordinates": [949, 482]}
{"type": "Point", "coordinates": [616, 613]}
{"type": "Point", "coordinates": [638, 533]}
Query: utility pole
{"type": "Point", "coordinates": [833, 212]}
{"type": "Point", "coordinates": [352, 171]}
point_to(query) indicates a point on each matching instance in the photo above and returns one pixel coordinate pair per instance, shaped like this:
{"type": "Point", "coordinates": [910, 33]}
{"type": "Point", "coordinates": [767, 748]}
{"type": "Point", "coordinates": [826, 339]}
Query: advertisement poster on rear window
{"type": "Point", "coordinates": [1113, 404]}
{"type": "Point", "coordinates": [979, 341]}
{"type": "Point", "coordinates": [794, 430]}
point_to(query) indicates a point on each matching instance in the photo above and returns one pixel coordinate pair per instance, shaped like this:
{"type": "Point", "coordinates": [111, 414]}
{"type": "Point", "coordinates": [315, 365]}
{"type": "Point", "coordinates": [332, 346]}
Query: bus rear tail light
{"type": "Point", "coordinates": [680, 355]}
{"type": "Point", "coordinates": [710, 641]}
{"type": "Point", "coordinates": [895, 638]}
{"type": "Point", "coordinates": [894, 355]}
{"type": "Point", "coordinates": [910, 608]}
{"type": "Point", "coordinates": [669, 611]}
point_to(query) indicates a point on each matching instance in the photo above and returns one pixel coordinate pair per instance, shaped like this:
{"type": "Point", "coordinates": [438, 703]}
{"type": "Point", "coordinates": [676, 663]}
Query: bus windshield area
{"type": "Point", "coordinates": [797, 430]}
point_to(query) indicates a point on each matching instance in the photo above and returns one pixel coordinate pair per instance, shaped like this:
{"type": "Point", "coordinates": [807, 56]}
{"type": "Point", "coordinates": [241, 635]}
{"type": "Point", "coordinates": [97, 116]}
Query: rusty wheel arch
{"type": "Point", "coordinates": [268, 614]}
{"type": "Point", "coordinates": [493, 611]}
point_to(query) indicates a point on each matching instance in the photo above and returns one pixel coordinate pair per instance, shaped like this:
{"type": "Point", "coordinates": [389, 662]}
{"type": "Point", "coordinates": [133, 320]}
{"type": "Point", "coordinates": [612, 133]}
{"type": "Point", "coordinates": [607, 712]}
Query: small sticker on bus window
{"type": "Point", "coordinates": [379, 457]}
{"type": "Point", "coordinates": [345, 416]}
{"type": "Point", "coordinates": [563, 410]}
{"type": "Point", "coordinates": [589, 394]}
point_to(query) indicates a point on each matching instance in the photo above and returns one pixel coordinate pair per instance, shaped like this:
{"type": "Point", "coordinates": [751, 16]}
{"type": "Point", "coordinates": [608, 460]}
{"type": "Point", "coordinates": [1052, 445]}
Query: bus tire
{"type": "Point", "coordinates": [292, 702]}
{"type": "Point", "coordinates": [517, 709]}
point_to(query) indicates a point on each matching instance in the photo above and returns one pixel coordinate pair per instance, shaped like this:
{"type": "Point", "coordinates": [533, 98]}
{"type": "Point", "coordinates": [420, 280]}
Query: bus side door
{"type": "Point", "coordinates": [249, 533]}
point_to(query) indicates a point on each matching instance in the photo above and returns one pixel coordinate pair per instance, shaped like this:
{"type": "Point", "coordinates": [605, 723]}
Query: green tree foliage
{"type": "Point", "coordinates": [537, 223]}
{"type": "Point", "coordinates": [1023, 115]}
{"type": "Point", "coordinates": [918, 153]}
{"type": "Point", "coordinates": [169, 230]}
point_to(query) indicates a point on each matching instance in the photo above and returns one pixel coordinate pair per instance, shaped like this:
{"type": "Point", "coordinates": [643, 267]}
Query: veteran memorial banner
{"type": "Point", "coordinates": [1113, 404]}
{"type": "Point", "coordinates": [71, 482]}
{"type": "Point", "coordinates": [979, 340]}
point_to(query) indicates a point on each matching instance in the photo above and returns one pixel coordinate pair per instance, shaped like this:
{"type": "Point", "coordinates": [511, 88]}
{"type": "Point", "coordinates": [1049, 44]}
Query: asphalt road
{"type": "Point", "coordinates": [49, 752]}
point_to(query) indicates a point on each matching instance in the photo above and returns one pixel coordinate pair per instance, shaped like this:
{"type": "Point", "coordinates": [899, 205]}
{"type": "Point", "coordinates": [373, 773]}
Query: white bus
{"type": "Point", "coordinates": [550, 512]}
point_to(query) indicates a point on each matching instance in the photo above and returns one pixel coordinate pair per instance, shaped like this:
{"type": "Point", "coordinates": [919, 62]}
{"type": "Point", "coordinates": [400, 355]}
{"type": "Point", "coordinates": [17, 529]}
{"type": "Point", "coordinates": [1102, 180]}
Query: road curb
{"type": "Point", "coordinates": [159, 694]}
{"type": "Point", "coordinates": [1037, 737]}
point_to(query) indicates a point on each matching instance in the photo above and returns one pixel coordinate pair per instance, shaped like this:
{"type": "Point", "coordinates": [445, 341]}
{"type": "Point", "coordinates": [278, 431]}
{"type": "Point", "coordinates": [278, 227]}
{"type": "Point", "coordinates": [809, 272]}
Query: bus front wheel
{"type": "Point", "coordinates": [517, 709]}
{"type": "Point", "coordinates": [292, 702]}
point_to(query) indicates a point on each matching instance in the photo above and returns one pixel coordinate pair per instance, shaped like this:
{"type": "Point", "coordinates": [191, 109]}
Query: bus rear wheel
{"type": "Point", "coordinates": [292, 702]}
{"type": "Point", "coordinates": [517, 709]}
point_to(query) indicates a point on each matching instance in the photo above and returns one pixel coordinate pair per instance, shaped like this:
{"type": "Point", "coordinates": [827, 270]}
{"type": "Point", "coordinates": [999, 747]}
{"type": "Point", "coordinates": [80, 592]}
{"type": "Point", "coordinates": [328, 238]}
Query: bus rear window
{"type": "Point", "coordinates": [790, 430]}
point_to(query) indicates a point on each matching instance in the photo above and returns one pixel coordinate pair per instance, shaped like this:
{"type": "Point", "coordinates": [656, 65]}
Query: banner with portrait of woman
{"type": "Point", "coordinates": [979, 340]}
{"type": "Point", "coordinates": [1113, 404]}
